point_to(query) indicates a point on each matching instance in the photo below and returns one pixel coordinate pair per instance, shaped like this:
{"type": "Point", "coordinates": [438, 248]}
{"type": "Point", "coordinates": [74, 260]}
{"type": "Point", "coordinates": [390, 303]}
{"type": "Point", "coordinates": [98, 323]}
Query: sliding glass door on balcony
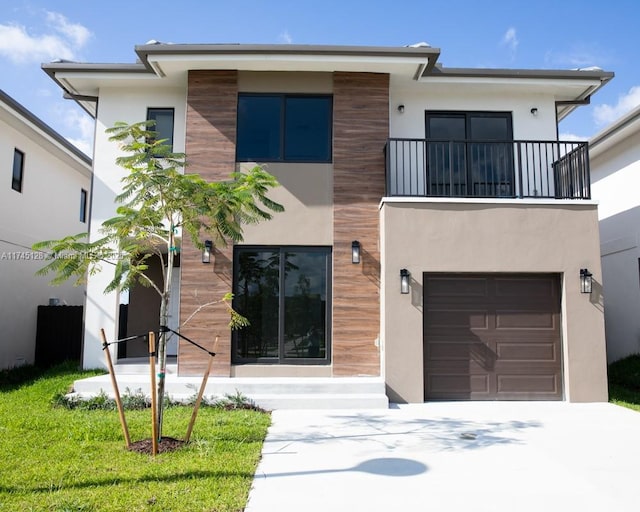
{"type": "Point", "coordinates": [469, 154]}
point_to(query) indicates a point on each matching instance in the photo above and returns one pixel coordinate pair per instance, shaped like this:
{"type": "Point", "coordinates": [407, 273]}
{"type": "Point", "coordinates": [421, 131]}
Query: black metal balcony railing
{"type": "Point", "coordinates": [509, 169]}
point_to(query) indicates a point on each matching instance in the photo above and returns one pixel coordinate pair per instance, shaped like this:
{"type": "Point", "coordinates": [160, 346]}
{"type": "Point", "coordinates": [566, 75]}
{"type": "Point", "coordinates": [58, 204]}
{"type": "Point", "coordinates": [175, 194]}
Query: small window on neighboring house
{"type": "Point", "coordinates": [164, 124]}
{"type": "Point", "coordinates": [18, 170]}
{"type": "Point", "coordinates": [83, 205]}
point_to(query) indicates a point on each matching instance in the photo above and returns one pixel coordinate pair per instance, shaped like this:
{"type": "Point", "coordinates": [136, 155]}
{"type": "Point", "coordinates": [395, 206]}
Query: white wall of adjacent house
{"type": "Point", "coordinates": [47, 207]}
{"type": "Point", "coordinates": [128, 105]}
{"type": "Point", "coordinates": [615, 177]}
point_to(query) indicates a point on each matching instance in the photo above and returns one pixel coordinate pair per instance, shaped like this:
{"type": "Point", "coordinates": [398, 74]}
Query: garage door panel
{"type": "Point", "coordinates": [458, 385]}
{"type": "Point", "coordinates": [531, 286]}
{"type": "Point", "coordinates": [458, 319]}
{"type": "Point", "coordinates": [453, 350]}
{"type": "Point", "coordinates": [528, 384]}
{"type": "Point", "coordinates": [503, 343]}
{"type": "Point", "coordinates": [442, 287]}
{"type": "Point", "coordinates": [525, 320]}
{"type": "Point", "coordinates": [527, 351]}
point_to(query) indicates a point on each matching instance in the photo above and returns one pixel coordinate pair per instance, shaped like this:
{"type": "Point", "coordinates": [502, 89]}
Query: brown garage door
{"type": "Point", "coordinates": [492, 337]}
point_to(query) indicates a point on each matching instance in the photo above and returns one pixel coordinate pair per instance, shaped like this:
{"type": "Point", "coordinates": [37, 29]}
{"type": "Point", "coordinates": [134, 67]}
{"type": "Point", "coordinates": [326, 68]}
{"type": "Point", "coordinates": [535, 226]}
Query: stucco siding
{"type": "Point", "coordinates": [48, 207]}
{"type": "Point", "coordinates": [615, 181]}
{"type": "Point", "coordinates": [492, 238]}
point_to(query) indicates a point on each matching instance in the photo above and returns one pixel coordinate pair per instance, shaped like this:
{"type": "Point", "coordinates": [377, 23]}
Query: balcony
{"type": "Point", "coordinates": [489, 169]}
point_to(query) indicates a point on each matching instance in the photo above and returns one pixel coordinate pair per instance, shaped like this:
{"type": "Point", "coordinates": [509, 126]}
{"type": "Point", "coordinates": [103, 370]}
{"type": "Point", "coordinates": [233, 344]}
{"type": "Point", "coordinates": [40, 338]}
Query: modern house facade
{"type": "Point", "coordinates": [434, 227]}
{"type": "Point", "coordinates": [615, 174]}
{"type": "Point", "coordinates": [44, 195]}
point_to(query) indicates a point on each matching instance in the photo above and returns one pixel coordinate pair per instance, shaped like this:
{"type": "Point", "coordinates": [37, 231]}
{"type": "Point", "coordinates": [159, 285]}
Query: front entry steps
{"type": "Point", "coordinates": [267, 392]}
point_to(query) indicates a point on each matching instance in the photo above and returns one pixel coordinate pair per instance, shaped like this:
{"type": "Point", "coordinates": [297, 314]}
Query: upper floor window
{"type": "Point", "coordinates": [284, 128]}
{"type": "Point", "coordinates": [83, 205]}
{"type": "Point", "coordinates": [18, 170]}
{"type": "Point", "coordinates": [164, 124]}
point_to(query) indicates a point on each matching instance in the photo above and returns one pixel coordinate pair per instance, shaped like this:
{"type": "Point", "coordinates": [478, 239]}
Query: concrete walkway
{"type": "Point", "coordinates": [458, 456]}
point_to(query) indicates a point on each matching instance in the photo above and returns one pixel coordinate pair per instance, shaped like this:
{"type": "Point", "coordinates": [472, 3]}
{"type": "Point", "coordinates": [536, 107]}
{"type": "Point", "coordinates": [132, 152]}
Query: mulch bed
{"type": "Point", "coordinates": [167, 444]}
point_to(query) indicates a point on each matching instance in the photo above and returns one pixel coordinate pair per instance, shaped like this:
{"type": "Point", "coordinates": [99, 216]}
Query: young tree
{"type": "Point", "coordinates": [158, 205]}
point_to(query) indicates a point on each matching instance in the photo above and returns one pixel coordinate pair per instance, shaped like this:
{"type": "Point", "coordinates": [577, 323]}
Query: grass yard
{"type": "Point", "coordinates": [56, 459]}
{"type": "Point", "coordinates": [624, 382]}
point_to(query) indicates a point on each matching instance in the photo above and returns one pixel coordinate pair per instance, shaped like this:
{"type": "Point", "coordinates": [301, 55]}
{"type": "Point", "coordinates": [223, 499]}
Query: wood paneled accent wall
{"type": "Point", "coordinates": [211, 151]}
{"type": "Point", "coordinates": [360, 131]}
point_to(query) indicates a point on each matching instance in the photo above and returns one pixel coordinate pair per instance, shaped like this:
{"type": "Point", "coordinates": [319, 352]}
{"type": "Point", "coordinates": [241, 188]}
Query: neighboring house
{"type": "Point", "coordinates": [44, 194]}
{"type": "Point", "coordinates": [471, 221]}
{"type": "Point", "coordinates": [615, 174]}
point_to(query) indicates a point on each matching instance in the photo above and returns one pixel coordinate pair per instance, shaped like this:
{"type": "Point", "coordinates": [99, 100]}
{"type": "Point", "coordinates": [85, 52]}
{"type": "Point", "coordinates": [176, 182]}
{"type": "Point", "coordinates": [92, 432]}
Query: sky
{"type": "Point", "coordinates": [538, 34]}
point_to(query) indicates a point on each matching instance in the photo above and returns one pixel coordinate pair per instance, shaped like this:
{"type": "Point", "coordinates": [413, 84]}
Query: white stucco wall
{"type": "Point", "coordinates": [615, 177]}
{"type": "Point", "coordinates": [47, 208]}
{"type": "Point", "coordinates": [128, 105]}
{"type": "Point", "coordinates": [420, 96]}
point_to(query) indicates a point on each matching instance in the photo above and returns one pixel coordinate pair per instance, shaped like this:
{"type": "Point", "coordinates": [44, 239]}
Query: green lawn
{"type": "Point", "coordinates": [56, 459]}
{"type": "Point", "coordinates": [624, 382]}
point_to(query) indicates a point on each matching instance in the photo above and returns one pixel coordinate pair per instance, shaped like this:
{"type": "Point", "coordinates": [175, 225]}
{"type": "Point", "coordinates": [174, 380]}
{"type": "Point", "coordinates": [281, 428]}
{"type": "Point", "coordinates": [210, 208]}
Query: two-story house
{"type": "Point", "coordinates": [615, 166]}
{"type": "Point", "coordinates": [44, 194]}
{"type": "Point", "coordinates": [435, 231]}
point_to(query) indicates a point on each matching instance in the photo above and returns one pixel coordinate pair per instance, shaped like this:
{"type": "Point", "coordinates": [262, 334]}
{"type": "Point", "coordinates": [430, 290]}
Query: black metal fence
{"type": "Point", "coordinates": [58, 335]}
{"type": "Point", "coordinates": [506, 169]}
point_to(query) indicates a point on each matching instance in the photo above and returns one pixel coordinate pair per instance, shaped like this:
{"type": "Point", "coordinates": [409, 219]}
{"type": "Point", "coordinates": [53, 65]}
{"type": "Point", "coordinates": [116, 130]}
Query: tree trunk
{"type": "Point", "coordinates": [162, 342]}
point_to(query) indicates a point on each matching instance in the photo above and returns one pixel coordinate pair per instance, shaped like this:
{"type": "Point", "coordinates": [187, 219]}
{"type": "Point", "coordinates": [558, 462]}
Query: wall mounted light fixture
{"type": "Point", "coordinates": [401, 109]}
{"type": "Point", "coordinates": [586, 281]}
{"type": "Point", "coordinates": [355, 252]}
{"type": "Point", "coordinates": [404, 280]}
{"type": "Point", "coordinates": [206, 252]}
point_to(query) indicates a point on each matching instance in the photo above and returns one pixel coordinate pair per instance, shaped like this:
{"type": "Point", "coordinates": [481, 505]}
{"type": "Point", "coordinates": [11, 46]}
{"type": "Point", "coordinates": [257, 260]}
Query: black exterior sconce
{"type": "Point", "coordinates": [586, 281]}
{"type": "Point", "coordinates": [355, 252]}
{"type": "Point", "coordinates": [404, 281]}
{"type": "Point", "coordinates": [206, 252]}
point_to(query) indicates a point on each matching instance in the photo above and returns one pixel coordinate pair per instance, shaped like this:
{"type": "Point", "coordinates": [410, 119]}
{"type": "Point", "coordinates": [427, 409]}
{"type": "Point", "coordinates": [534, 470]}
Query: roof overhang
{"type": "Point", "coordinates": [171, 59]}
{"type": "Point", "coordinates": [170, 64]}
{"type": "Point", "coordinates": [571, 88]}
{"type": "Point", "coordinates": [31, 126]}
{"type": "Point", "coordinates": [615, 133]}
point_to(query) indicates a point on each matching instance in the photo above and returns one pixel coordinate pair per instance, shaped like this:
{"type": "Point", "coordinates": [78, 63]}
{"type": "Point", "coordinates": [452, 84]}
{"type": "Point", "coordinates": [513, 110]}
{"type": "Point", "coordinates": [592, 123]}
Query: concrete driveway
{"type": "Point", "coordinates": [452, 456]}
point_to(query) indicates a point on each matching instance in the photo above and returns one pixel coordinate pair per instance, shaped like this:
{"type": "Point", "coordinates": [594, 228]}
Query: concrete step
{"type": "Point", "coordinates": [269, 393]}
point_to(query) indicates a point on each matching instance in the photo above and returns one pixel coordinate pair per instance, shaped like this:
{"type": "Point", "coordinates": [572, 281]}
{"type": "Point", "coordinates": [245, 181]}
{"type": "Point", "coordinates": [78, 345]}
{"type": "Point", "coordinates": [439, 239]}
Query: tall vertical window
{"type": "Point", "coordinates": [284, 128]}
{"type": "Point", "coordinates": [83, 205]}
{"type": "Point", "coordinates": [164, 124]}
{"type": "Point", "coordinates": [18, 170]}
{"type": "Point", "coordinates": [284, 292]}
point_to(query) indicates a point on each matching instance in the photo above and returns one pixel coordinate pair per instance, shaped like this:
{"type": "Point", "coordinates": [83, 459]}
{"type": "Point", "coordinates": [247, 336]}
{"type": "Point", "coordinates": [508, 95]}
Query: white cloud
{"type": "Point", "coordinates": [605, 114]}
{"type": "Point", "coordinates": [510, 40]}
{"type": "Point", "coordinates": [579, 55]}
{"type": "Point", "coordinates": [78, 34]}
{"type": "Point", "coordinates": [78, 123]}
{"type": "Point", "coordinates": [83, 145]}
{"type": "Point", "coordinates": [285, 37]}
{"type": "Point", "coordinates": [60, 40]}
{"type": "Point", "coordinates": [570, 137]}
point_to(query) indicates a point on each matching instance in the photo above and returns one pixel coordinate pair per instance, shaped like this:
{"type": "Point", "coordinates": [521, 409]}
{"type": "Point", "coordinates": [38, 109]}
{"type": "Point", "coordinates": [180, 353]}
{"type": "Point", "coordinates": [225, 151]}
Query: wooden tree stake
{"type": "Point", "coordinates": [123, 421]}
{"type": "Point", "coordinates": [203, 385]}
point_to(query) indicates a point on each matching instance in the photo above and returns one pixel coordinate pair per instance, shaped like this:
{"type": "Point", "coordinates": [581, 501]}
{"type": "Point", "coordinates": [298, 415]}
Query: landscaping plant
{"type": "Point", "coordinates": [158, 205]}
